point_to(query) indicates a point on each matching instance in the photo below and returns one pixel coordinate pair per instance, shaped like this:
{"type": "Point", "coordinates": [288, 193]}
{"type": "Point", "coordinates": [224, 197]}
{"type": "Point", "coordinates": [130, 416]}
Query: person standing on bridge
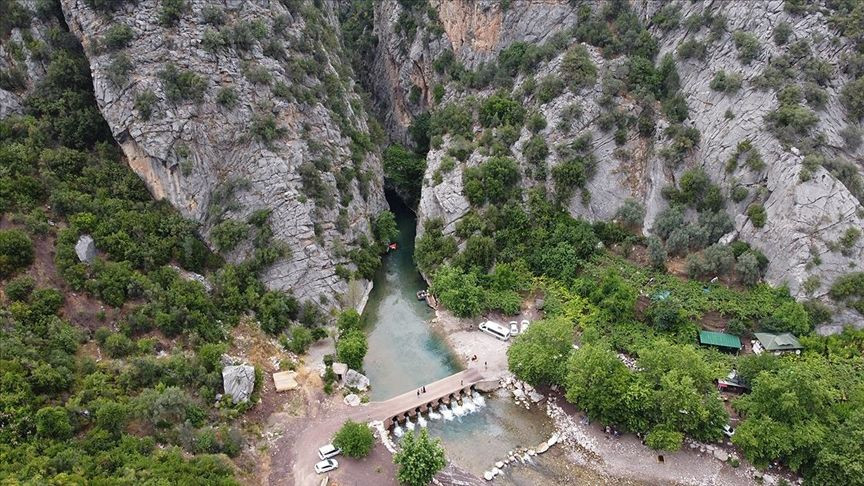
{"type": "Point", "coordinates": [486, 365]}
{"type": "Point", "coordinates": [418, 392]}
{"type": "Point", "coordinates": [424, 388]}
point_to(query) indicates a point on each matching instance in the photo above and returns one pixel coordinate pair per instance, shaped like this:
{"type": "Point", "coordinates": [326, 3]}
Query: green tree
{"type": "Point", "coordinates": [276, 310]}
{"type": "Point", "coordinates": [355, 439]}
{"type": "Point", "coordinates": [599, 383]}
{"type": "Point", "coordinates": [53, 423]}
{"type": "Point", "coordinates": [458, 291]}
{"type": "Point", "coordinates": [348, 319]}
{"type": "Point", "coordinates": [384, 227]}
{"type": "Point", "coordinates": [539, 356]}
{"type": "Point", "coordinates": [16, 252]}
{"type": "Point", "coordinates": [403, 169]}
{"type": "Point", "coordinates": [351, 348]}
{"type": "Point", "coordinates": [419, 459]}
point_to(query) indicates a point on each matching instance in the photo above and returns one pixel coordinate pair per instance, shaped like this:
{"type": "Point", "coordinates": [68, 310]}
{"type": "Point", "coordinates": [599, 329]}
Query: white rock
{"type": "Point", "coordinates": [239, 381]}
{"type": "Point", "coordinates": [85, 248]}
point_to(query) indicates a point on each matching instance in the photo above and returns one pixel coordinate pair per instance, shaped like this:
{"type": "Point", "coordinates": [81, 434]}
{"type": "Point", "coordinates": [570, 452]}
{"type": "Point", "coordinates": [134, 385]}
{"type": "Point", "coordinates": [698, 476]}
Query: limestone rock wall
{"type": "Point", "coordinates": [23, 54]}
{"type": "Point", "coordinates": [805, 217]}
{"type": "Point", "coordinates": [272, 128]}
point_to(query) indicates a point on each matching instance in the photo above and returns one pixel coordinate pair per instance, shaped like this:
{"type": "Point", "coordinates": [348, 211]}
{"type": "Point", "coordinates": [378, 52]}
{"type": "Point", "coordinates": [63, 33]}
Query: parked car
{"type": "Point", "coordinates": [328, 451]}
{"type": "Point", "coordinates": [326, 466]}
{"type": "Point", "coordinates": [525, 323]}
{"type": "Point", "coordinates": [514, 328]}
{"type": "Point", "coordinates": [494, 329]}
{"type": "Point", "coordinates": [729, 431]}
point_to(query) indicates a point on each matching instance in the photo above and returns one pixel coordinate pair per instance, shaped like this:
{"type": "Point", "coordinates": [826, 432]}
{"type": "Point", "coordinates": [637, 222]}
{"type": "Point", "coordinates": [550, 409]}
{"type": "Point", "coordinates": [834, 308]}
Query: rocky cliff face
{"type": "Point", "coordinates": [227, 108]}
{"type": "Point", "coordinates": [23, 52]}
{"type": "Point", "coordinates": [810, 206]}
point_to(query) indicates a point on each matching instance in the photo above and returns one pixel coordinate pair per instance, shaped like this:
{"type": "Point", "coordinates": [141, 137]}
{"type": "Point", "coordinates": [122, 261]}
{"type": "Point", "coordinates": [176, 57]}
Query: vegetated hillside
{"type": "Point", "coordinates": [225, 110]}
{"type": "Point", "coordinates": [706, 120]}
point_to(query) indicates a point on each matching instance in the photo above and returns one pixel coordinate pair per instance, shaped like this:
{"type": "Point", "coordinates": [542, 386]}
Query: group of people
{"type": "Point", "coordinates": [421, 390]}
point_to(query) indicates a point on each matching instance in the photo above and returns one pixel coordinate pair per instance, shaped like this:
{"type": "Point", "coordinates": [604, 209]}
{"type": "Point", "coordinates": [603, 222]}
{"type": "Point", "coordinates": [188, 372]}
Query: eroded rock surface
{"type": "Point", "coordinates": [267, 120]}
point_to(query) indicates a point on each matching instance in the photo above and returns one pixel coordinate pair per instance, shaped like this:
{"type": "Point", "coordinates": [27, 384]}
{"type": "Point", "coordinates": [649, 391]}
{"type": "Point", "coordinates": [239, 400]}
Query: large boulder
{"type": "Point", "coordinates": [85, 248]}
{"type": "Point", "coordinates": [355, 379]}
{"type": "Point", "coordinates": [239, 381]}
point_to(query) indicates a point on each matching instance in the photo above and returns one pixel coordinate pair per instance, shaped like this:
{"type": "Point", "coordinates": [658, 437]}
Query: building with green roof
{"type": "Point", "coordinates": [720, 340]}
{"type": "Point", "coordinates": [778, 343]}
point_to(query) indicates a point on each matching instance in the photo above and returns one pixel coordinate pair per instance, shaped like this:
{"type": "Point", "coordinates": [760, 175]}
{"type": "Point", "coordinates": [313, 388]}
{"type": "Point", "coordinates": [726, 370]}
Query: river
{"type": "Point", "coordinates": [405, 354]}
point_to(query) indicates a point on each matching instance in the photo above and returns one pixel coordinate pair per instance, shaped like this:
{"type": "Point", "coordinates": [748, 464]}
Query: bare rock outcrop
{"type": "Point", "coordinates": [228, 108]}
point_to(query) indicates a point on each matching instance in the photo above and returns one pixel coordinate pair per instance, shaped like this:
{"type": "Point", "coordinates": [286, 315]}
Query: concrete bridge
{"type": "Point", "coordinates": [399, 408]}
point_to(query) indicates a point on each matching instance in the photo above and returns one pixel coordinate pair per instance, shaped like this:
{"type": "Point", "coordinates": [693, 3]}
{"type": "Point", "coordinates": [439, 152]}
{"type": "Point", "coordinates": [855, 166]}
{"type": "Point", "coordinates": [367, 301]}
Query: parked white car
{"type": "Point", "coordinates": [327, 451]}
{"type": "Point", "coordinates": [326, 466]}
{"type": "Point", "coordinates": [514, 328]}
{"type": "Point", "coordinates": [494, 329]}
{"type": "Point", "coordinates": [728, 430]}
{"type": "Point", "coordinates": [524, 325]}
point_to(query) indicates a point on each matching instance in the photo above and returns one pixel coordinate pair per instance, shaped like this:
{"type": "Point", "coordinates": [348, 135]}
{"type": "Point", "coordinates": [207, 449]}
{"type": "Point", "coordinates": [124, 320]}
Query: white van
{"type": "Point", "coordinates": [494, 329]}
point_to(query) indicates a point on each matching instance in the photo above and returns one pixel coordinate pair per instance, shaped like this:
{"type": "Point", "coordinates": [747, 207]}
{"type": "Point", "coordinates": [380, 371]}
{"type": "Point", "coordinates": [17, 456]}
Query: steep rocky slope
{"type": "Point", "coordinates": [808, 178]}
{"type": "Point", "coordinates": [227, 108]}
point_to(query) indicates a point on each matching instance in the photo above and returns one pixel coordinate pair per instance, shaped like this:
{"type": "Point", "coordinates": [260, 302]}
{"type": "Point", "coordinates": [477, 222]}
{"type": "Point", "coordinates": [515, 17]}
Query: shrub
{"type": "Point", "coordinates": [20, 288]}
{"type": "Point", "coordinates": [226, 96]}
{"type": "Point", "coordinates": [171, 12]}
{"type": "Point", "coordinates": [578, 69]}
{"type": "Point", "coordinates": [213, 15]}
{"type": "Point", "coordinates": [118, 36]}
{"type": "Point", "coordinates": [499, 109]}
{"type": "Point", "coordinates": [852, 98]}
{"type": "Point", "coordinates": [438, 93]}
{"type": "Point", "coordinates": [275, 310]}
{"type": "Point", "coordinates": [535, 122]}
{"type": "Point", "coordinates": [739, 193]}
{"type": "Point", "coordinates": [549, 88]}
{"type": "Point", "coordinates": [535, 150]}
{"type": "Point", "coordinates": [631, 213]}
{"type": "Point", "coordinates": [265, 129]}
{"type": "Point", "coordinates": [748, 269]}
{"type": "Point", "coordinates": [668, 17]}
{"type": "Point", "coordinates": [692, 49]}
{"type": "Point", "coordinates": [667, 221]}
{"type": "Point", "coordinates": [16, 252]}
{"type": "Point", "coordinates": [851, 137]}
{"type": "Point", "coordinates": [118, 69]}
{"type": "Point", "coordinates": [144, 101]}
{"type": "Point", "coordinates": [715, 260]}
{"type": "Point", "coordinates": [355, 439]}
{"type": "Point", "coordinates": [301, 339]}
{"type": "Point", "coordinates": [256, 74]}
{"type": "Point", "coordinates": [656, 253]}
{"type": "Point", "coordinates": [726, 83]}
{"type": "Point", "coordinates": [747, 45]}
{"type": "Point", "coordinates": [228, 234]}
{"type": "Point", "coordinates": [782, 32]}
{"type": "Point", "coordinates": [494, 181]}
{"type": "Point", "coordinates": [182, 84]}
{"type": "Point", "coordinates": [118, 345]}
{"type": "Point", "coordinates": [756, 213]}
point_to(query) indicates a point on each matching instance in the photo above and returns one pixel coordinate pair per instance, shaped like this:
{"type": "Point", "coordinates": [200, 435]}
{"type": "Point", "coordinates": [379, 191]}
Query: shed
{"type": "Point", "coordinates": [720, 340]}
{"type": "Point", "coordinates": [778, 343]}
{"type": "Point", "coordinates": [285, 380]}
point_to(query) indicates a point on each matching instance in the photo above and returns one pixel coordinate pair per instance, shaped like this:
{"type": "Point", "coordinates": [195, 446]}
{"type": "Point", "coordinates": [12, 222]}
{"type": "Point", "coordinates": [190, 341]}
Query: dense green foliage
{"type": "Point", "coordinates": [419, 459]}
{"type": "Point", "coordinates": [355, 439]}
{"type": "Point", "coordinates": [404, 170]}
